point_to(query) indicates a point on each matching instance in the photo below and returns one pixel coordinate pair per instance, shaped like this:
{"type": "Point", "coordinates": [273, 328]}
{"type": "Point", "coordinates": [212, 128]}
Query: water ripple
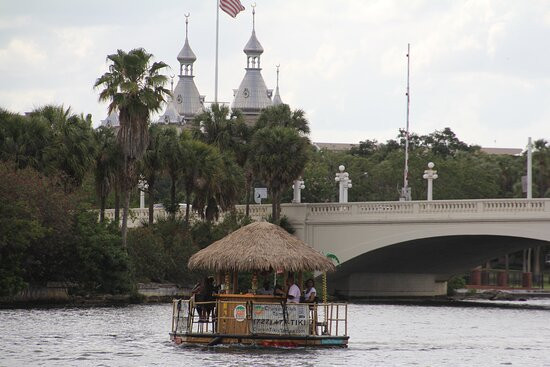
{"type": "Point", "coordinates": [381, 335]}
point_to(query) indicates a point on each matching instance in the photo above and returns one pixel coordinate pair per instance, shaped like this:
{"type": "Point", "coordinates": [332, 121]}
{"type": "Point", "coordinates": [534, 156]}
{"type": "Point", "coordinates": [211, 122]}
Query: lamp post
{"type": "Point", "coordinates": [142, 186]}
{"type": "Point", "coordinates": [298, 186]}
{"type": "Point", "coordinates": [430, 174]}
{"type": "Point", "coordinates": [344, 184]}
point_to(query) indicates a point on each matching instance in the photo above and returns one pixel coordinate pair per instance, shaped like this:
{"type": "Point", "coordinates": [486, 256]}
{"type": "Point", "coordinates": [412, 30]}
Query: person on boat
{"type": "Point", "coordinates": [310, 293]}
{"type": "Point", "coordinates": [293, 294]}
{"type": "Point", "coordinates": [195, 295]}
{"type": "Point", "coordinates": [266, 290]}
{"type": "Point", "coordinates": [278, 291]}
{"type": "Point", "coordinates": [207, 295]}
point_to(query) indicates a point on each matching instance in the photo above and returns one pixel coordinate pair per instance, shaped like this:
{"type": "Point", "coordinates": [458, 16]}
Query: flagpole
{"type": "Point", "coordinates": [217, 36]}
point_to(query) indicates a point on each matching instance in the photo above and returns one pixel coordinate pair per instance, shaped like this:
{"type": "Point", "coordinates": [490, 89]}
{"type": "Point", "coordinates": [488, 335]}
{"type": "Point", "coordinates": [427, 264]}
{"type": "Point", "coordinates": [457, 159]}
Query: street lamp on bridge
{"type": "Point", "coordinates": [298, 186]}
{"type": "Point", "coordinates": [344, 184]}
{"type": "Point", "coordinates": [430, 174]}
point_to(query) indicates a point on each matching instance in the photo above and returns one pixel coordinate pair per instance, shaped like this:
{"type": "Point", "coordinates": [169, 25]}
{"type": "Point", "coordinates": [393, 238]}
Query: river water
{"type": "Point", "coordinates": [381, 335]}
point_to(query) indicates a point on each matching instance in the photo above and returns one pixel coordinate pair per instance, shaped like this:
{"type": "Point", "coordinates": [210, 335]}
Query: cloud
{"type": "Point", "coordinates": [20, 53]}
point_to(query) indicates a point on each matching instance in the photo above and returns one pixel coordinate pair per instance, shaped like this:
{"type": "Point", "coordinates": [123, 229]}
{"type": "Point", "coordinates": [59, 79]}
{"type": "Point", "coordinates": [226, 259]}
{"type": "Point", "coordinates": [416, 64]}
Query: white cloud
{"type": "Point", "coordinates": [20, 53]}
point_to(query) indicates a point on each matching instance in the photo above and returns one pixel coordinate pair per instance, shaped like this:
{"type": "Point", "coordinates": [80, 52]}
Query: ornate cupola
{"type": "Point", "coordinates": [171, 115]}
{"type": "Point", "coordinates": [252, 95]}
{"type": "Point", "coordinates": [186, 98]}
{"type": "Point", "coordinates": [277, 97]}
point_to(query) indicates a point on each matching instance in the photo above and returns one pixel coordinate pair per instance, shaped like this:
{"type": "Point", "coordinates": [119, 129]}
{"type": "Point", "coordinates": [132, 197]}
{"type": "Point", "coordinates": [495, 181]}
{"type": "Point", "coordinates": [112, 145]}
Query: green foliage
{"type": "Point", "coordinates": [159, 253]}
{"type": "Point", "coordinates": [456, 282]}
{"type": "Point", "coordinates": [52, 140]}
{"type": "Point", "coordinates": [464, 171]}
{"type": "Point", "coordinates": [284, 223]}
{"type": "Point", "coordinates": [46, 237]}
{"type": "Point", "coordinates": [101, 262]}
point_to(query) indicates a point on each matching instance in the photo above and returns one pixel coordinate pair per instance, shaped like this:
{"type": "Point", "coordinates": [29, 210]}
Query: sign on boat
{"type": "Point", "coordinates": [252, 318]}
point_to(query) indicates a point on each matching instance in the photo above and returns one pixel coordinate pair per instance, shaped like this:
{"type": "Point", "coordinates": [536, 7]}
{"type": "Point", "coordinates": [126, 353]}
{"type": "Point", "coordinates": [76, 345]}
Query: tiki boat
{"type": "Point", "coordinates": [259, 249]}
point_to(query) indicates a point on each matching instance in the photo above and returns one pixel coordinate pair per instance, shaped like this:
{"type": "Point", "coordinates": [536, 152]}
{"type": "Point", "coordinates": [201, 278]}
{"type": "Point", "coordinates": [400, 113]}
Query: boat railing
{"type": "Point", "coordinates": [259, 318]}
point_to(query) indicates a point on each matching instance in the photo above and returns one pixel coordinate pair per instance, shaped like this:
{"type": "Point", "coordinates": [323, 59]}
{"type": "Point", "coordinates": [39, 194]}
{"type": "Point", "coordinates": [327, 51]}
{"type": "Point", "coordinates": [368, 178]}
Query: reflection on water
{"type": "Point", "coordinates": [381, 335]}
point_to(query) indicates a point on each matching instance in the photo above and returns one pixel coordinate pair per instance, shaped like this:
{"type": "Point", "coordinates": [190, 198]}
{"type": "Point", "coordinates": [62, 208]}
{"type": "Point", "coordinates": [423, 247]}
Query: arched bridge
{"type": "Point", "coordinates": [408, 248]}
{"type": "Point", "coordinates": [412, 248]}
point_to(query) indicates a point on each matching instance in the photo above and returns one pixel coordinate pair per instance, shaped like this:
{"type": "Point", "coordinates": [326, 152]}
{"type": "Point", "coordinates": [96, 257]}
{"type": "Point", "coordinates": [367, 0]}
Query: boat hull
{"type": "Point", "coordinates": [284, 341]}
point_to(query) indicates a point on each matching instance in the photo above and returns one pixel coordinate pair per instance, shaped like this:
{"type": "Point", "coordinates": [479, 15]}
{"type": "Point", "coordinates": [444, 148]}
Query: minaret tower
{"type": "Point", "coordinates": [187, 100]}
{"type": "Point", "coordinates": [252, 95]}
{"type": "Point", "coordinates": [277, 97]}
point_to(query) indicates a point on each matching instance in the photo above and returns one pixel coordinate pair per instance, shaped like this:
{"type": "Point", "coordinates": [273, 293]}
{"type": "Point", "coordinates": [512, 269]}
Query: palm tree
{"type": "Point", "coordinates": [171, 155]}
{"type": "Point", "coordinates": [134, 87]}
{"type": "Point", "coordinates": [72, 147]}
{"type": "Point", "coordinates": [107, 165]}
{"type": "Point", "coordinates": [201, 171]}
{"type": "Point", "coordinates": [24, 140]}
{"type": "Point", "coordinates": [152, 165]}
{"type": "Point", "coordinates": [280, 156]}
{"type": "Point", "coordinates": [282, 115]}
{"type": "Point", "coordinates": [219, 192]}
{"type": "Point", "coordinates": [227, 131]}
{"type": "Point", "coordinates": [220, 127]}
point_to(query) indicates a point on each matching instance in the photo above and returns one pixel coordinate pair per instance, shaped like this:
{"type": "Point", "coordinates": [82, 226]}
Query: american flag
{"type": "Point", "coordinates": [231, 7]}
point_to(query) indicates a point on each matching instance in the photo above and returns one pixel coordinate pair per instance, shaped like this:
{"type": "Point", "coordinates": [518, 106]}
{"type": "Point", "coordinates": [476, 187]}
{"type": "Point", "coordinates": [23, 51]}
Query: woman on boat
{"type": "Point", "coordinates": [310, 293]}
{"type": "Point", "coordinates": [293, 294]}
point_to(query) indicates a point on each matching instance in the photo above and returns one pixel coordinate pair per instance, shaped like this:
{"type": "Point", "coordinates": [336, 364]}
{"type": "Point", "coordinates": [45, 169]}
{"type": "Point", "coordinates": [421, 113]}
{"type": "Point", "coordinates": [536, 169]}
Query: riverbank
{"type": "Point", "coordinates": [59, 294]}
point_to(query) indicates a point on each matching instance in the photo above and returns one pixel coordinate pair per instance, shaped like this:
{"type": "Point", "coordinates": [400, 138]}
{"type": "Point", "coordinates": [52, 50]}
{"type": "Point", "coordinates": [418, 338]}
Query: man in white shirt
{"type": "Point", "coordinates": [293, 294]}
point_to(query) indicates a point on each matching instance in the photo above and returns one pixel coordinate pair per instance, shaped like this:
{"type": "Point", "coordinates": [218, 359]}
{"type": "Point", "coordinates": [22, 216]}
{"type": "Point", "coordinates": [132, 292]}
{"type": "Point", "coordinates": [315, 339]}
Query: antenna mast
{"type": "Point", "coordinates": [406, 191]}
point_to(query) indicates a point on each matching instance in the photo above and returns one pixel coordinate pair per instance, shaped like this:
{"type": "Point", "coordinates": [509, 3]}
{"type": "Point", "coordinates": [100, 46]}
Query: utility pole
{"type": "Point", "coordinates": [406, 190]}
{"type": "Point", "coordinates": [529, 169]}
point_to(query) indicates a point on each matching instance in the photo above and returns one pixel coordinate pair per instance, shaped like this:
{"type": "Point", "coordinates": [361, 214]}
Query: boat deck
{"type": "Point", "coordinates": [259, 320]}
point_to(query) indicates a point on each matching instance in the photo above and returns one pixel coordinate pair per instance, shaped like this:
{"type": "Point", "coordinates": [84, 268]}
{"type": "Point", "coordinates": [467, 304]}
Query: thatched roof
{"type": "Point", "coordinates": [260, 246]}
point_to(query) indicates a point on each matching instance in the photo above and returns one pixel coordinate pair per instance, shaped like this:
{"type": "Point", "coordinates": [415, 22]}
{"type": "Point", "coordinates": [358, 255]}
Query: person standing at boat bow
{"type": "Point", "coordinates": [293, 294]}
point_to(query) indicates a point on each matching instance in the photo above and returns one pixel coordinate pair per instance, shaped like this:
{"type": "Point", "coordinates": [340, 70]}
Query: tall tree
{"type": "Point", "coordinates": [152, 165]}
{"type": "Point", "coordinates": [72, 147]}
{"type": "Point", "coordinates": [24, 140]}
{"type": "Point", "coordinates": [201, 170]}
{"type": "Point", "coordinates": [171, 155]}
{"type": "Point", "coordinates": [281, 115]}
{"type": "Point", "coordinates": [134, 87]}
{"type": "Point", "coordinates": [107, 166]}
{"type": "Point", "coordinates": [227, 131]}
{"type": "Point", "coordinates": [280, 156]}
{"type": "Point", "coordinates": [280, 150]}
{"type": "Point", "coordinates": [220, 127]}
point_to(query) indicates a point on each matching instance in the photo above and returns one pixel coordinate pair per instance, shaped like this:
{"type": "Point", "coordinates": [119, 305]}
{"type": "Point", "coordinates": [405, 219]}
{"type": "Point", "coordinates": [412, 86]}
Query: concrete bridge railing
{"type": "Point", "coordinates": [381, 210]}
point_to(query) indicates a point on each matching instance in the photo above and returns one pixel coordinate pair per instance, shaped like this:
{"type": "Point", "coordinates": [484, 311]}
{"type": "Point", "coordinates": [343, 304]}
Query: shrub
{"type": "Point", "coordinates": [456, 282]}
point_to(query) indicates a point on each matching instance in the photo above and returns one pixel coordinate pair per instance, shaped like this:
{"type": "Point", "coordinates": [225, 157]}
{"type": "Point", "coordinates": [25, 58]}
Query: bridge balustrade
{"type": "Point", "coordinates": [514, 206]}
{"type": "Point", "coordinates": [396, 210]}
{"type": "Point", "coordinates": [448, 207]}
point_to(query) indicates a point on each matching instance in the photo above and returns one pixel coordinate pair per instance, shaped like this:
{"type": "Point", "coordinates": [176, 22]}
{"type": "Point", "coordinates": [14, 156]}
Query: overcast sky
{"type": "Point", "coordinates": [480, 67]}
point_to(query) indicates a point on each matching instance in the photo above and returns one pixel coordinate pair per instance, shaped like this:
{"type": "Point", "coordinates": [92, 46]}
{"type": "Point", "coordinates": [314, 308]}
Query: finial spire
{"type": "Point", "coordinates": [186, 23]}
{"type": "Point", "coordinates": [277, 97]}
{"type": "Point", "coordinates": [253, 16]}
